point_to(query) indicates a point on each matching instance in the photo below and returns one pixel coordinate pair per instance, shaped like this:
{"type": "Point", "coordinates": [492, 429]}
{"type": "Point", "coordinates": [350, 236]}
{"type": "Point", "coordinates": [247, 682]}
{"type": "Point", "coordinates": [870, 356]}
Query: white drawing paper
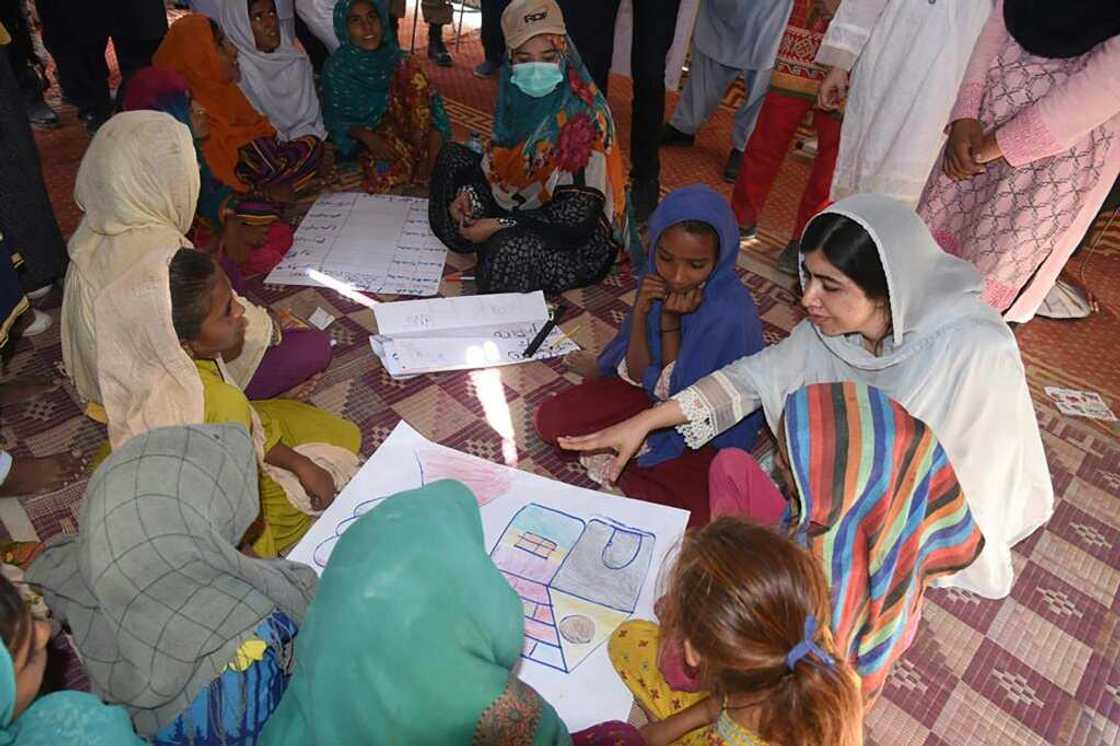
{"type": "Point", "coordinates": [378, 243]}
{"type": "Point", "coordinates": [463, 333]}
{"type": "Point", "coordinates": [601, 558]}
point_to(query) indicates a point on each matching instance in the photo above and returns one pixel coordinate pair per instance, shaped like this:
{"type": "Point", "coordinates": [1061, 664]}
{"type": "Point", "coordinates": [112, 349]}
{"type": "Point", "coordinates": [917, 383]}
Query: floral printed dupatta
{"type": "Point", "coordinates": [566, 137]}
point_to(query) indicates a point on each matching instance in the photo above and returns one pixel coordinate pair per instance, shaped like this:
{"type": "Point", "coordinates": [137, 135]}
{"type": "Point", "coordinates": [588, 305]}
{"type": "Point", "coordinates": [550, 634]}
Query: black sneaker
{"type": "Point", "coordinates": [671, 136]}
{"type": "Point", "coordinates": [734, 164]}
{"type": "Point", "coordinates": [437, 50]}
{"type": "Point", "coordinates": [787, 260]}
{"type": "Point", "coordinates": [644, 194]}
{"type": "Point", "coordinates": [748, 232]}
{"type": "Point", "coordinates": [42, 116]}
{"type": "Point", "coordinates": [487, 69]}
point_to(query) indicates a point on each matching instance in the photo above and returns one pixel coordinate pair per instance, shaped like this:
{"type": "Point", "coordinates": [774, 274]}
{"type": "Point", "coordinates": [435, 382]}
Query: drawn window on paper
{"type": "Point", "coordinates": [537, 546]}
{"type": "Point", "coordinates": [577, 594]}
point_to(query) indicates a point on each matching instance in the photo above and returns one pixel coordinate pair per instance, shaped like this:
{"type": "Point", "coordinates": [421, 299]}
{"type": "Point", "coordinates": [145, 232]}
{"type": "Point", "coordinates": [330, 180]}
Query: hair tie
{"type": "Point", "coordinates": [807, 646]}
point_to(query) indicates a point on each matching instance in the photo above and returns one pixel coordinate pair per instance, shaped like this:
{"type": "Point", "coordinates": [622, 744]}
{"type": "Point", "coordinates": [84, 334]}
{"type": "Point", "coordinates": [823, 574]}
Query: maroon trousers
{"type": "Point", "coordinates": [602, 402]}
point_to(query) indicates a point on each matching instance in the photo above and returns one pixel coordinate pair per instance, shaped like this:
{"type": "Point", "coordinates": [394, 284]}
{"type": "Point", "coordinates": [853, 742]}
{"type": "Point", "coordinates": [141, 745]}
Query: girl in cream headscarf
{"type": "Point", "coordinates": [889, 309]}
{"type": "Point", "coordinates": [138, 186]}
{"type": "Point", "coordinates": [164, 328]}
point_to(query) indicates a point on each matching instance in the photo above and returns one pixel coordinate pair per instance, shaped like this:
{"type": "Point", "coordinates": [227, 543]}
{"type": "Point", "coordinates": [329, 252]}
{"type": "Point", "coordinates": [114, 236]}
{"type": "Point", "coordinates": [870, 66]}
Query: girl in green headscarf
{"type": "Point", "coordinates": [378, 104]}
{"type": "Point", "coordinates": [412, 637]}
{"type": "Point", "coordinates": [66, 718]}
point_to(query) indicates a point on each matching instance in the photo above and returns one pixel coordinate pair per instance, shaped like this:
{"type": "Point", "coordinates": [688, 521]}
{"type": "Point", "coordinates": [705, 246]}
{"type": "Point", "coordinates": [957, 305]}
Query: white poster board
{"type": "Point", "coordinates": [378, 243]}
{"type": "Point", "coordinates": [678, 53]}
{"type": "Point", "coordinates": [577, 678]}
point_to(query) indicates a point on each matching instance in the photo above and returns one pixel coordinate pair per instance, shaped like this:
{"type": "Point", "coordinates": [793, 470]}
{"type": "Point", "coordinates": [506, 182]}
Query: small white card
{"type": "Point", "coordinates": [1081, 403]}
{"type": "Point", "coordinates": [321, 319]}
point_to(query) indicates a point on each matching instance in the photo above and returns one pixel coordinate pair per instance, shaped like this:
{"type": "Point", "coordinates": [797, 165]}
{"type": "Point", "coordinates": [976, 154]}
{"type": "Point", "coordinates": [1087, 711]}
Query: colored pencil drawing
{"type": "Point", "coordinates": [486, 480]}
{"type": "Point", "coordinates": [578, 580]}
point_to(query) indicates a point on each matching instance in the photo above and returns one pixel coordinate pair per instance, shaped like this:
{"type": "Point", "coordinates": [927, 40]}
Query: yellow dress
{"type": "Point", "coordinates": [633, 652]}
{"type": "Point", "coordinates": [284, 421]}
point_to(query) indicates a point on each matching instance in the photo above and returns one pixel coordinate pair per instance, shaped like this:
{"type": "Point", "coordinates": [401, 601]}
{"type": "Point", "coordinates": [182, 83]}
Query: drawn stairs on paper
{"type": "Point", "coordinates": [578, 580]}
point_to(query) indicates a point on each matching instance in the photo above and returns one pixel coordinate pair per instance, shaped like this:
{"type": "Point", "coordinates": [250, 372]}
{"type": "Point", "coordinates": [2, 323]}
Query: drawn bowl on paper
{"type": "Point", "coordinates": [578, 629]}
{"type": "Point", "coordinates": [486, 480]}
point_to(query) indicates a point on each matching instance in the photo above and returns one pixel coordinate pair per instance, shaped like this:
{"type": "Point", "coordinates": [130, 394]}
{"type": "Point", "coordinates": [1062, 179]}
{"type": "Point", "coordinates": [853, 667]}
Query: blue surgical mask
{"type": "Point", "coordinates": [537, 79]}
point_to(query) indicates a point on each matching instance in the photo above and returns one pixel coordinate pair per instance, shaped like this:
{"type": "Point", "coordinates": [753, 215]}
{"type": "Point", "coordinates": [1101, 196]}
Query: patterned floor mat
{"type": "Point", "coordinates": [1039, 667]}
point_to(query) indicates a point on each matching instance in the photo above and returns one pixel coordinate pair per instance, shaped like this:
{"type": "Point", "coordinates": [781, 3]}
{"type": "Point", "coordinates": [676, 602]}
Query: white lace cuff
{"type": "Point", "coordinates": [700, 427]}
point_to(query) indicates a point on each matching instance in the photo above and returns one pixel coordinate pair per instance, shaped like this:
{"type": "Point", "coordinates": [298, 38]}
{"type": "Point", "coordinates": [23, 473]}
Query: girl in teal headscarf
{"type": "Point", "coordinates": [66, 718]}
{"type": "Point", "coordinates": [377, 103]}
{"type": "Point", "coordinates": [412, 637]}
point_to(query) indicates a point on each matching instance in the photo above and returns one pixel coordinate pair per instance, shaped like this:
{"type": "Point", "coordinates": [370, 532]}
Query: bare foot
{"type": "Point", "coordinates": [30, 476]}
{"type": "Point", "coordinates": [22, 389]}
{"type": "Point", "coordinates": [584, 363]}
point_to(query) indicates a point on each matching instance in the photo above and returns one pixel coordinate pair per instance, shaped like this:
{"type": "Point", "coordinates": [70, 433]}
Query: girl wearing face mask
{"type": "Point", "coordinates": [691, 317]}
{"type": "Point", "coordinates": [378, 104]}
{"type": "Point", "coordinates": [546, 207]}
{"type": "Point", "coordinates": [887, 308]}
{"type": "Point", "coordinates": [65, 718]}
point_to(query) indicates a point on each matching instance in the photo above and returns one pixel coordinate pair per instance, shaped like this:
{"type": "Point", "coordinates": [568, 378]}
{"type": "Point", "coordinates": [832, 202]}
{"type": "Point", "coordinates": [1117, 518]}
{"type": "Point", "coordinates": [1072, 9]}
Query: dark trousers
{"type": "Point", "coordinates": [591, 26]}
{"type": "Point", "coordinates": [493, 42]}
{"type": "Point", "coordinates": [76, 35]}
{"type": "Point", "coordinates": [21, 51]}
{"type": "Point", "coordinates": [655, 22]}
{"type": "Point", "coordinates": [316, 50]}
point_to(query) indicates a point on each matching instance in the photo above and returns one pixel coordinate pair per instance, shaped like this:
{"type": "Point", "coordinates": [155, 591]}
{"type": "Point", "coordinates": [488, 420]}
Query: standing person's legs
{"type": "Point", "coordinates": [76, 36]}
{"type": "Point", "coordinates": [437, 14]}
{"type": "Point", "coordinates": [765, 151]}
{"type": "Point", "coordinates": [493, 42]}
{"type": "Point", "coordinates": [815, 197]}
{"type": "Point", "coordinates": [590, 26]}
{"type": "Point", "coordinates": [397, 9]}
{"type": "Point", "coordinates": [756, 83]}
{"type": "Point", "coordinates": [26, 64]}
{"type": "Point", "coordinates": [655, 22]}
{"type": "Point", "coordinates": [27, 223]}
{"type": "Point", "coordinates": [707, 82]}
{"type": "Point", "coordinates": [137, 29]}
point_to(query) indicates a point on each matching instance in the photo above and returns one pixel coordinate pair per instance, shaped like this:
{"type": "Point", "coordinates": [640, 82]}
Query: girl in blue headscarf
{"type": "Point", "coordinates": [377, 103]}
{"type": "Point", "coordinates": [66, 718]}
{"type": "Point", "coordinates": [691, 317]}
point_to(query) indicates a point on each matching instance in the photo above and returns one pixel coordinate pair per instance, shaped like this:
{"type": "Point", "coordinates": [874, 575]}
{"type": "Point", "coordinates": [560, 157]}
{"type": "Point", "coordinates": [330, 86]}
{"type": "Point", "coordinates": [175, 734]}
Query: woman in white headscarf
{"type": "Point", "coordinates": [138, 186]}
{"type": "Point", "coordinates": [888, 308]}
{"type": "Point", "coordinates": [276, 75]}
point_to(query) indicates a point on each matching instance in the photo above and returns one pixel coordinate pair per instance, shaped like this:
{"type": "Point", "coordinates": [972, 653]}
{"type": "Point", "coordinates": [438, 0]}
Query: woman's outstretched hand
{"type": "Point", "coordinates": [625, 438]}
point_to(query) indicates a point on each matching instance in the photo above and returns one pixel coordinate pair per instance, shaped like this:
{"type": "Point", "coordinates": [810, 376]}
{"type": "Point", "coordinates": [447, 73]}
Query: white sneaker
{"type": "Point", "coordinates": [40, 293]}
{"type": "Point", "coordinates": [39, 324]}
{"type": "Point", "coordinates": [1064, 301]}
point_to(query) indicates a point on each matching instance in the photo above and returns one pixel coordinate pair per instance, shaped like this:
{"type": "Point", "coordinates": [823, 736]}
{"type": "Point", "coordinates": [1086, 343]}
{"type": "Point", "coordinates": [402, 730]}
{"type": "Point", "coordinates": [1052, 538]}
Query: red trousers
{"type": "Point", "coordinates": [602, 402]}
{"type": "Point", "coordinates": [767, 148]}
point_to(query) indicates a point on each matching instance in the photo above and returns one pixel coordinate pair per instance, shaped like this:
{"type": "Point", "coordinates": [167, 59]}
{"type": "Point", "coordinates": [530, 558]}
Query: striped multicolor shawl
{"type": "Point", "coordinates": [881, 508]}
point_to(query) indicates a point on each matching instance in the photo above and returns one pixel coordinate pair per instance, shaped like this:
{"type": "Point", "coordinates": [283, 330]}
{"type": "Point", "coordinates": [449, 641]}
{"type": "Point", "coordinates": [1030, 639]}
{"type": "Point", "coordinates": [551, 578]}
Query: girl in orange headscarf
{"type": "Point", "coordinates": [242, 151]}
